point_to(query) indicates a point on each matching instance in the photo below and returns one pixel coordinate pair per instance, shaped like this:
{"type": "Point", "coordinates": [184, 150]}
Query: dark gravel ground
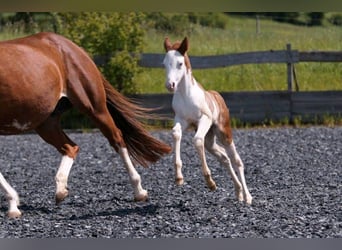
{"type": "Point", "coordinates": [294, 176]}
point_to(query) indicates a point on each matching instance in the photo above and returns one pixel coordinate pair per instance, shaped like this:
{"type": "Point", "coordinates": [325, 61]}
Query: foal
{"type": "Point", "coordinates": [205, 110]}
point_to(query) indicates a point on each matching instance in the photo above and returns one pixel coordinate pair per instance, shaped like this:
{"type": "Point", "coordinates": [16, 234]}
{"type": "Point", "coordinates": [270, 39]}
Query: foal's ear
{"type": "Point", "coordinates": [167, 44]}
{"type": "Point", "coordinates": [184, 46]}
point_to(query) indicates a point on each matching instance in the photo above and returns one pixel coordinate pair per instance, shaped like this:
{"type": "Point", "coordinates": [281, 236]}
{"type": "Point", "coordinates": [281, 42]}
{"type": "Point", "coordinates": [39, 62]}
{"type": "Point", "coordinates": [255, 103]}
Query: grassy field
{"type": "Point", "coordinates": [240, 36]}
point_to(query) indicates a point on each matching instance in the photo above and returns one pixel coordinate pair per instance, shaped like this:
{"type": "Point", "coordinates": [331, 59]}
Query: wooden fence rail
{"type": "Point", "coordinates": [264, 106]}
{"type": "Point", "coordinates": [257, 107]}
{"type": "Point", "coordinates": [288, 56]}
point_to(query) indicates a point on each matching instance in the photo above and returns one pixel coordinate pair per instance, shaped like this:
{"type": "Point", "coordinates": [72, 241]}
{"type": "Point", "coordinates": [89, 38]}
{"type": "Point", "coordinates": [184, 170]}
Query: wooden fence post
{"type": "Point", "coordinates": [289, 67]}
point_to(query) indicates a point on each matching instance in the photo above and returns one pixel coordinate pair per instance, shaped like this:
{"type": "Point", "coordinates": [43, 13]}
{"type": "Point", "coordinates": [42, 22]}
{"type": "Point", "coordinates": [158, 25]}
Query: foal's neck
{"type": "Point", "coordinates": [188, 83]}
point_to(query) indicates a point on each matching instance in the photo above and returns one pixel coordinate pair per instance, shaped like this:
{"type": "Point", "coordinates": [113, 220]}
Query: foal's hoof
{"type": "Point", "coordinates": [14, 214]}
{"type": "Point", "coordinates": [239, 196]}
{"type": "Point", "coordinates": [179, 181]}
{"type": "Point", "coordinates": [249, 200]}
{"type": "Point", "coordinates": [212, 186]}
{"type": "Point", "coordinates": [60, 196]}
{"type": "Point", "coordinates": [143, 196]}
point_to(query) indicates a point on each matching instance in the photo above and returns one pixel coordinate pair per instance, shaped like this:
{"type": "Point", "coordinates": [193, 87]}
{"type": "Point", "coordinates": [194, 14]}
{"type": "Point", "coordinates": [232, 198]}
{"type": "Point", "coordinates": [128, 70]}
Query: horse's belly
{"type": "Point", "coordinates": [20, 116]}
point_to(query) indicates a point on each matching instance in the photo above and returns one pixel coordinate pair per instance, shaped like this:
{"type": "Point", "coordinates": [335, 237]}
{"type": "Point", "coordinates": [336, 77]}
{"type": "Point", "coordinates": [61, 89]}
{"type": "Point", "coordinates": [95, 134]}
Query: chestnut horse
{"type": "Point", "coordinates": [42, 76]}
{"type": "Point", "coordinates": [208, 113]}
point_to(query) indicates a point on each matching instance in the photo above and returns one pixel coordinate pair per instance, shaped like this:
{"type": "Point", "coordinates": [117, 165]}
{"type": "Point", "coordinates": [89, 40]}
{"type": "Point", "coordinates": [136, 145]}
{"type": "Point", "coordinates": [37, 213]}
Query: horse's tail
{"type": "Point", "coordinates": [142, 147]}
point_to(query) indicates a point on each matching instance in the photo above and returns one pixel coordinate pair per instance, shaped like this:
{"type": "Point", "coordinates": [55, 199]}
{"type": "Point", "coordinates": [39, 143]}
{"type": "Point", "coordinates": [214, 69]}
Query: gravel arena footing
{"type": "Point", "coordinates": [293, 174]}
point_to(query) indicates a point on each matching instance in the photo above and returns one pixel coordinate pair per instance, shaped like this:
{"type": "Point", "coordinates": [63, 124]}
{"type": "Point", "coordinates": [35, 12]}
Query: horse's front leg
{"type": "Point", "coordinates": [12, 197]}
{"type": "Point", "coordinates": [203, 127]}
{"type": "Point", "coordinates": [61, 178]}
{"type": "Point", "coordinates": [177, 137]}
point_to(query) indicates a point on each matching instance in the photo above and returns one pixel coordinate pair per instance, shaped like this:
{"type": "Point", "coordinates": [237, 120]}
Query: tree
{"type": "Point", "coordinates": [118, 36]}
{"type": "Point", "coordinates": [316, 18]}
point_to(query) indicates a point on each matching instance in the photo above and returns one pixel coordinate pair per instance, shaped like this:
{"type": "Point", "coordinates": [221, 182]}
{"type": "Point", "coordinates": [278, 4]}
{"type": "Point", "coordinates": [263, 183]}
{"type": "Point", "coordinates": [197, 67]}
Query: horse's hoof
{"type": "Point", "coordinates": [239, 196]}
{"type": "Point", "coordinates": [212, 186]}
{"type": "Point", "coordinates": [143, 196]}
{"type": "Point", "coordinates": [61, 196]}
{"type": "Point", "coordinates": [249, 200]}
{"type": "Point", "coordinates": [179, 181]}
{"type": "Point", "coordinates": [14, 214]}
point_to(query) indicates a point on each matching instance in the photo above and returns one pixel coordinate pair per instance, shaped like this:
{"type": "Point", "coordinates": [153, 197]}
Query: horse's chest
{"type": "Point", "coordinates": [187, 108]}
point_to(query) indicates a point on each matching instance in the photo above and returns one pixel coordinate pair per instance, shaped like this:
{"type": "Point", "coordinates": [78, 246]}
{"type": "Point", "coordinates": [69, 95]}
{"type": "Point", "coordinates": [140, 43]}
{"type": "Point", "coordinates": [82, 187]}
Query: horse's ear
{"type": "Point", "coordinates": [184, 46]}
{"type": "Point", "coordinates": [167, 44]}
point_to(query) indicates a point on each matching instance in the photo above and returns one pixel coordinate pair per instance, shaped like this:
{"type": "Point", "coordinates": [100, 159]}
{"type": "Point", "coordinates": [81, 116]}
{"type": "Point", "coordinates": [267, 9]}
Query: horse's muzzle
{"type": "Point", "coordinates": [170, 86]}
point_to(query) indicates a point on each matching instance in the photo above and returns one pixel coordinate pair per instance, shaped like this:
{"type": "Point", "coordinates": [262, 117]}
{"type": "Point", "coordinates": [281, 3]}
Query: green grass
{"type": "Point", "coordinates": [10, 35]}
{"type": "Point", "coordinates": [240, 36]}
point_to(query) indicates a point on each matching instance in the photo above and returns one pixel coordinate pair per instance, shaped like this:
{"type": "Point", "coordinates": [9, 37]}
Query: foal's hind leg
{"type": "Point", "coordinates": [220, 154]}
{"type": "Point", "coordinates": [202, 129]}
{"type": "Point", "coordinates": [52, 133]}
{"type": "Point", "coordinates": [12, 197]}
{"type": "Point", "coordinates": [239, 167]}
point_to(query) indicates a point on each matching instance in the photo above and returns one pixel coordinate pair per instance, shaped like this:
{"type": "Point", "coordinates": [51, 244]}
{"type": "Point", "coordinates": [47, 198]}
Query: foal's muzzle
{"type": "Point", "coordinates": [170, 86]}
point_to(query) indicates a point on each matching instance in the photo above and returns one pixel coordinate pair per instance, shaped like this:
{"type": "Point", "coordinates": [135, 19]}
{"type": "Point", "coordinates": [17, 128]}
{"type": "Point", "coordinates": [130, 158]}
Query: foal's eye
{"type": "Point", "coordinates": [180, 65]}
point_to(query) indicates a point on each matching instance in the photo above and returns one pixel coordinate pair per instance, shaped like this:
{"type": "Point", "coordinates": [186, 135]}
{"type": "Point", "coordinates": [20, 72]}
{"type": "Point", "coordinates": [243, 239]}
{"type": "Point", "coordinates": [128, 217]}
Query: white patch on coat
{"type": "Point", "coordinates": [19, 126]}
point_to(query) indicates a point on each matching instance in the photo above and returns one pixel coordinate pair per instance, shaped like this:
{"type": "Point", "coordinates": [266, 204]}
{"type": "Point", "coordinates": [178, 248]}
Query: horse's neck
{"type": "Point", "coordinates": [188, 85]}
{"type": "Point", "coordinates": [192, 94]}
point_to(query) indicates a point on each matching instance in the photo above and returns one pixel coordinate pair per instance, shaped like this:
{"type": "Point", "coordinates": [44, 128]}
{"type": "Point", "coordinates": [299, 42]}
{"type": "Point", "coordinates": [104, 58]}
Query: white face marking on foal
{"type": "Point", "coordinates": [175, 69]}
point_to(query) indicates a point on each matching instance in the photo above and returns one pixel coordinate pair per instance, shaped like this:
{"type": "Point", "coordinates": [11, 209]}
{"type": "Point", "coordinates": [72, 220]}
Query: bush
{"type": "Point", "coordinates": [27, 22]}
{"type": "Point", "coordinates": [336, 19]}
{"type": "Point", "coordinates": [177, 24]}
{"type": "Point", "coordinates": [213, 20]}
{"type": "Point", "coordinates": [117, 36]}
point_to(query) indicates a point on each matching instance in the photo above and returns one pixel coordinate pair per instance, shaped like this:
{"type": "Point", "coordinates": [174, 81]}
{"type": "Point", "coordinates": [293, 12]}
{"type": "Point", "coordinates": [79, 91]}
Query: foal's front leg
{"type": "Point", "coordinates": [203, 128]}
{"type": "Point", "coordinates": [177, 137]}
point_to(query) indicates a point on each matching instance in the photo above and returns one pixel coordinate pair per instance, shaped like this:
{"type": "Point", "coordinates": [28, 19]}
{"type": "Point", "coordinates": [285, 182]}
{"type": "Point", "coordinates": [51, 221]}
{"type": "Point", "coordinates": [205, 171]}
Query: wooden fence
{"type": "Point", "coordinates": [264, 106]}
{"type": "Point", "coordinates": [260, 106]}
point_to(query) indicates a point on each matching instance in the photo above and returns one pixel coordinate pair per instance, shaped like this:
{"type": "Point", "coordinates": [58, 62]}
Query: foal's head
{"type": "Point", "coordinates": [176, 62]}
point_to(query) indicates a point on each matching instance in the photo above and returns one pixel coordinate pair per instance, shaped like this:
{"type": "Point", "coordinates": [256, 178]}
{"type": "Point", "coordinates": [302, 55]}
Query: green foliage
{"type": "Point", "coordinates": [182, 24]}
{"type": "Point", "coordinates": [27, 22]}
{"type": "Point", "coordinates": [177, 24]}
{"type": "Point", "coordinates": [213, 20]}
{"type": "Point", "coordinates": [336, 19]}
{"type": "Point", "coordinates": [117, 35]}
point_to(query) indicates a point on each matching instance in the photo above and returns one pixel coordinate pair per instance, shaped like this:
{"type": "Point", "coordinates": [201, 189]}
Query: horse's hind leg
{"type": "Point", "coordinates": [239, 168]}
{"type": "Point", "coordinates": [220, 153]}
{"type": "Point", "coordinates": [53, 134]}
{"type": "Point", "coordinates": [12, 197]}
{"type": "Point", "coordinates": [199, 141]}
{"type": "Point", "coordinates": [106, 124]}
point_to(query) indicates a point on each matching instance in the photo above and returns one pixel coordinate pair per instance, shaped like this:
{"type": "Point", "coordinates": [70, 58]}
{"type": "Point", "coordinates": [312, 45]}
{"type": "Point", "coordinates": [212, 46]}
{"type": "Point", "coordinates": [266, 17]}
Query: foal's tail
{"type": "Point", "coordinates": [142, 147]}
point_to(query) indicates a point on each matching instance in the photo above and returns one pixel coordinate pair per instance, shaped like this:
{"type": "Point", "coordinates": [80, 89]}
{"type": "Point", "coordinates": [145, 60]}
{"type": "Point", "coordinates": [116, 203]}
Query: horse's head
{"type": "Point", "coordinates": [176, 62]}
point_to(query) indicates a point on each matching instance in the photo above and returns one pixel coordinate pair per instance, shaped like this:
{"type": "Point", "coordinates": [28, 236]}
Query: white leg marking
{"type": "Point", "coordinates": [203, 128]}
{"type": "Point", "coordinates": [140, 194]}
{"type": "Point", "coordinates": [239, 167]}
{"type": "Point", "coordinates": [12, 197]}
{"type": "Point", "coordinates": [221, 155]}
{"type": "Point", "coordinates": [177, 137]}
{"type": "Point", "coordinates": [62, 177]}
